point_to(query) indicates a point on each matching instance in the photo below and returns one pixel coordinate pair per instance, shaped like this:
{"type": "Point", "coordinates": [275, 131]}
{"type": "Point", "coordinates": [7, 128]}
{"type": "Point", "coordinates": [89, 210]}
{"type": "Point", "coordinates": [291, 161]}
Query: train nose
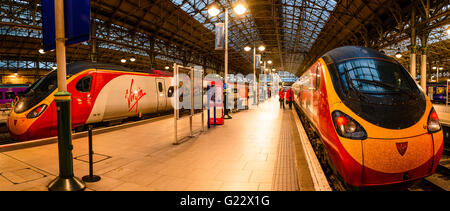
{"type": "Point", "coordinates": [17, 125]}
{"type": "Point", "coordinates": [397, 160]}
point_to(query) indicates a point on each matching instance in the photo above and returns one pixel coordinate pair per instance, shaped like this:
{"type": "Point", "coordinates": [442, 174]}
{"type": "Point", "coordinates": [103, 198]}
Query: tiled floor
{"type": "Point", "coordinates": [243, 154]}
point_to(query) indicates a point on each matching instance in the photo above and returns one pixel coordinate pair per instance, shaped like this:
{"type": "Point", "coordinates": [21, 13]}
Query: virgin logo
{"type": "Point", "coordinates": [133, 97]}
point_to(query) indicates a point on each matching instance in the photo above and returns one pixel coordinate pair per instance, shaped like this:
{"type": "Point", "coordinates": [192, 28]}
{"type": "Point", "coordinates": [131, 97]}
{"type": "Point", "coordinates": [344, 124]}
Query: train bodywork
{"type": "Point", "coordinates": [99, 92]}
{"type": "Point", "coordinates": [392, 143]}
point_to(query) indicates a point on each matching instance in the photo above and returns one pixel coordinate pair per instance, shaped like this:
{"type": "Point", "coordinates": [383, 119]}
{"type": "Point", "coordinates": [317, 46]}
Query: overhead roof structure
{"type": "Point", "coordinates": [295, 32]}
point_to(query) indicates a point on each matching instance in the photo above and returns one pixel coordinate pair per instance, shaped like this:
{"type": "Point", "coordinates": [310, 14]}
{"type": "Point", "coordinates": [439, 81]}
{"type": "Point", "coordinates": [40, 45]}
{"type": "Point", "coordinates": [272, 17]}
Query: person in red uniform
{"type": "Point", "coordinates": [290, 97]}
{"type": "Point", "coordinates": [281, 95]}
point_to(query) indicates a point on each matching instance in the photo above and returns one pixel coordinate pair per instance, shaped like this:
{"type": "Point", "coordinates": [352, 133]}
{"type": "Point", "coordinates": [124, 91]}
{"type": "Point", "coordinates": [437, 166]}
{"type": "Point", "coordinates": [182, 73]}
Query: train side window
{"type": "Point", "coordinates": [170, 91]}
{"type": "Point", "coordinates": [318, 78]}
{"type": "Point", "coordinates": [84, 84]}
{"type": "Point", "coordinates": [160, 87]}
{"type": "Point", "coordinates": [9, 95]}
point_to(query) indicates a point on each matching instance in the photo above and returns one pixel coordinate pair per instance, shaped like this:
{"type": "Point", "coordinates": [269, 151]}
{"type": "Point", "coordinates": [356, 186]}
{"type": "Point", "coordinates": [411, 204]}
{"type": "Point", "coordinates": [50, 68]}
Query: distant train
{"type": "Point", "coordinates": [437, 92]}
{"type": "Point", "coordinates": [8, 92]}
{"type": "Point", "coordinates": [377, 126]}
{"type": "Point", "coordinates": [99, 92]}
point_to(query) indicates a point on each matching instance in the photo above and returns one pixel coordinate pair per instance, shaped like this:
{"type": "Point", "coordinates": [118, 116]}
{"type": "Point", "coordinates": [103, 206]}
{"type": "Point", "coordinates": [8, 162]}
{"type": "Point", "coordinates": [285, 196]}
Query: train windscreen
{"type": "Point", "coordinates": [373, 76]}
{"type": "Point", "coordinates": [36, 92]}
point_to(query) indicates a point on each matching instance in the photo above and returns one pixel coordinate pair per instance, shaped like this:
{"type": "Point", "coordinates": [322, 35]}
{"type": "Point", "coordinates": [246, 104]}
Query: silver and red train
{"type": "Point", "coordinates": [376, 124]}
{"type": "Point", "coordinates": [99, 92]}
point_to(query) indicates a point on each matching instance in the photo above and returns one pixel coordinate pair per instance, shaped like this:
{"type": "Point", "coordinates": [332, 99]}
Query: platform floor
{"type": "Point", "coordinates": [251, 152]}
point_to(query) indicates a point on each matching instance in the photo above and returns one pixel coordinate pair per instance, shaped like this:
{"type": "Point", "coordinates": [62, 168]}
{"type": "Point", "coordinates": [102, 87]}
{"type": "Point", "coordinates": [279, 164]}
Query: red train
{"type": "Point", "coordinates": [377, 126]}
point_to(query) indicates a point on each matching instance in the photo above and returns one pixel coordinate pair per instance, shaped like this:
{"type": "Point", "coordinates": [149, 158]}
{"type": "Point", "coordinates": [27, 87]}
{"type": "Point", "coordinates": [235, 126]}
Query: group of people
{"type": "Point", "coordinates": [288, 95]}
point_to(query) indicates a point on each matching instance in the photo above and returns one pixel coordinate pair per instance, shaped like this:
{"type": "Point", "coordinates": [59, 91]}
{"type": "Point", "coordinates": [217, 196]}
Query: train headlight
{"type": "Point", "coordinates": [433, 122]}
{"type": "Point", "coordinates": [348, 127]}
{"type": "Point", "coordinates": [37, 111]}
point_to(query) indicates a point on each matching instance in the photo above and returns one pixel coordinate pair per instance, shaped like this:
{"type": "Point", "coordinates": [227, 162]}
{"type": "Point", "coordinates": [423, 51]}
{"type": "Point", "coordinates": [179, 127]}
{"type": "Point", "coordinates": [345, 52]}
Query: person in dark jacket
{"type": "Point", "coordinates": [281, 95]}
{"type": "Point", "coordinates": [290, 97]}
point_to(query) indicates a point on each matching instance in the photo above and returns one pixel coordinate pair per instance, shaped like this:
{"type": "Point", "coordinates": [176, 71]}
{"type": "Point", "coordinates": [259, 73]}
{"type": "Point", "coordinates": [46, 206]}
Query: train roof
{"type": "Point", "coordinates": [76, 67]}
{"type": "Point", "coordinates": [14, 85]}
{"type": "Point", "coordinates": [349, 52]}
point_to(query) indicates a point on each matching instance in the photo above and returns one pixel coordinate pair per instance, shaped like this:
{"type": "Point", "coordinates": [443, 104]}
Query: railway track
{"type": "Point", "coordinates": [440, 181]}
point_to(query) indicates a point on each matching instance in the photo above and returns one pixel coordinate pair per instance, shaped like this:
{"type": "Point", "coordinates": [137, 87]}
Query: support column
{"type": "Point", "coordinates": [93, 43]}
{"type": "Point", "coordinates": [413, 47]}
{"type": "Point", "coordinates": [423, 69]}
{"type": "Point", "coordinates": [66, 181]}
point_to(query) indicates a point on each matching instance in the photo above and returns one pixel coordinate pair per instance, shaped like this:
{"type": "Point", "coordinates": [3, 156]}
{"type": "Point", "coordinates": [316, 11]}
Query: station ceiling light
{"type": "Point", "coordinates": [213, 10]}
{"type": "Point", "coordinates": [132, 59]}
{"type": "Point", "coordinates": [269, 62]}
{"type": "Point", "coordinates": [247, 48]}
{"type": "Point", "coordinates": [398, 55]}
{"type": "Point", "coordinates": [54, 67]}
{"type": "Point", "coordinates": [441, 68]}
{"type": "Point", "coordinates": [123, 60]}
{"type": "Point", "coordinates": [433, 68]}
{"type": "Point", "coordinates": [239, 8]}
{"type": "Point", "coordinates": [261, 48]}
{"type": "Point", "coordinates": [166, 67]}
{"type": "Point", "coordinates": [41, 51]}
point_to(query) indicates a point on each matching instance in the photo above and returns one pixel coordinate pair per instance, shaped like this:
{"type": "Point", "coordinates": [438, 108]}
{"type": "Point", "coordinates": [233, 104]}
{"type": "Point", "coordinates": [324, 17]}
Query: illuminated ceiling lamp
{"type": "Point", "coordinates": [261, 48]}
{"type": "Point", "coordinates": [240, 8]}
{"type": "Point", "coordinates": [269, 62]}
{"type": "Point", "coordinates": [398, 55]}
{"type": "Point", "coordinates": [41, 51]}
{"type": "Point", "coordinates": [132, 59]}
{"type": "Point", "coordinates": [213, 10]}
{"type": "Point", "coordinates": [166, 67]}
{"type": "Point", "coordinates": [123, 60]}
{"type": "Point", "coordinates": [247, 48]}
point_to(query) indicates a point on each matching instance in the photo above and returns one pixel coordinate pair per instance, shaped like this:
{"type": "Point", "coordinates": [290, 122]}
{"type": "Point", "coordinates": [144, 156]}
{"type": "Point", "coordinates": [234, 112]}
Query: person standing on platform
{"type": "Point", "coordinates": [281, 95]}
{"type": "Point", "coordinates": [289, 97]}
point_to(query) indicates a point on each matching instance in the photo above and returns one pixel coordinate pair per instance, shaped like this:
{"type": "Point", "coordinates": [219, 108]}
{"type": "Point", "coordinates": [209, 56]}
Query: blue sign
{"type": "Point", "coordinates": [77, 22]}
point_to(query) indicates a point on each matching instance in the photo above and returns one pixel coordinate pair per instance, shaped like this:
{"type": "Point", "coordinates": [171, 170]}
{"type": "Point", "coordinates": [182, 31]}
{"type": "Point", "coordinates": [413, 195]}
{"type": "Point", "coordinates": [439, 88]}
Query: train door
{"type": "Point", "coordinates": [160, 87]}
{"type": "Point", "coordinates": [82, 98]}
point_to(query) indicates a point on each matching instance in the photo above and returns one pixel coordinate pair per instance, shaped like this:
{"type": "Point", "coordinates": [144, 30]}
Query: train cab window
{"type": "Point", "coordinates": [170, 91]}
{"type": "Point", "coordinates": [84, 84]}
{"type": "Point", "coordinates": [10, 95]}
{"type": "Point", "coordinates": [160, 87]}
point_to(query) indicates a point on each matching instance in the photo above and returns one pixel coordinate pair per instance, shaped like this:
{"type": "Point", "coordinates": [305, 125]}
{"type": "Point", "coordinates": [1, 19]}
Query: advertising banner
{"type": "Point", "coordinates": [220, 36]}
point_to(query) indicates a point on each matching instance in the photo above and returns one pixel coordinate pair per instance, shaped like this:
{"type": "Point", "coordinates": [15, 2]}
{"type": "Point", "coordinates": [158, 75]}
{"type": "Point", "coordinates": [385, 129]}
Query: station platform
{"type": "Point", "coordinates": [443, 112]}
{"type": "Point", "coordinates": [261, 149]}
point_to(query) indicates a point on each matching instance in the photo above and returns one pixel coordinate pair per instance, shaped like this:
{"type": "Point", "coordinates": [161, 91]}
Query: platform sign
{"type": "Point", "coordinates": [77, 22]}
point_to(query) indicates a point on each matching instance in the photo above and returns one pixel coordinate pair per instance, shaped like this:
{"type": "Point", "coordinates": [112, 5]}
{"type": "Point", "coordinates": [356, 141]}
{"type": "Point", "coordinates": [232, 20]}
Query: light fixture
{"type": "Point", "coordinates": [132, 59]}
{"type": "Point", "coordinates": [15, 74]}
{"type": "Point", "coordinates": [213, 10]}
{"type": "Point", "coordinates": [269, 62]}
{"type": "Point", "coordinates": [54, 67]}
{"type": "Point", "coordinates": [123, 60]}
{"type": "Point", "coordinates": [433, 68]}
{"type": "Point", "coordinates": [239, 8]}
{"type": "Point", "coordinates": [441, 68]}
{"type": "Point", "coordinates": [261, 48]}
{"type": "Point", "coordinates": [398, 55]}
{"type": "Point", "coordinates": [247, 48]}
{"type": "Point", "coordinates": [166, 67]}
{"type": "Point", "coordinates": [41, 51]}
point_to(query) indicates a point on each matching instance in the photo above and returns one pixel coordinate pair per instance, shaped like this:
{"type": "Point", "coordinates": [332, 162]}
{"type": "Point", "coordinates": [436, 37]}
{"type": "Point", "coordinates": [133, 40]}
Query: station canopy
{"type": "Point", "coordinates": [295, 33]}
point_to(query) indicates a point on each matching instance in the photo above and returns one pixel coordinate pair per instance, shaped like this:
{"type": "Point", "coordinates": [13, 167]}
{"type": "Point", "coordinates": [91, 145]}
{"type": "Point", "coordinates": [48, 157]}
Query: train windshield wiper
{"type": "Point", "coordinates": [385, 85]}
